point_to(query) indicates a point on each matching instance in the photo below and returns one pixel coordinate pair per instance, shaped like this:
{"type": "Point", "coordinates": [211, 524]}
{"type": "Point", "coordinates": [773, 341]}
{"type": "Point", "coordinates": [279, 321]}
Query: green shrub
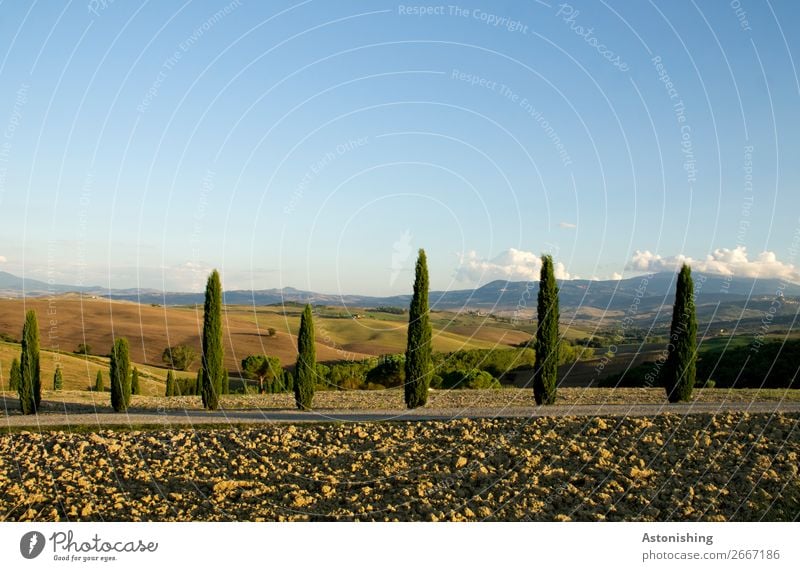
{"type": "Point", "coordinates": [474, 379]}
{"type": "Point", "coordinates": [179, 357]}
{"type": "Point", "coordinates": [497, 362]}
{"type": "Point", "coordinates": [389, 371]}
{"type": "Point", "coordinates": [770, 365]}
{"type": "Point", "coordinates": [183, 386]}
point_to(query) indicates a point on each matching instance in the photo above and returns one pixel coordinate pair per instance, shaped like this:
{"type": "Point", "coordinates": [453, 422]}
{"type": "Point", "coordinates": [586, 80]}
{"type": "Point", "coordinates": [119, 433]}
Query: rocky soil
{"type": "Point", "coordinates": [732, 466]}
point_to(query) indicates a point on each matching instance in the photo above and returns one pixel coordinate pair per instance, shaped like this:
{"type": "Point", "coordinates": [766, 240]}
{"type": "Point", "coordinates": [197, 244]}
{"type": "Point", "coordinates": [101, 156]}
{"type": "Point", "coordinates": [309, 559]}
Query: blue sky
{"type": "Point", "coordinates": [319, 144]}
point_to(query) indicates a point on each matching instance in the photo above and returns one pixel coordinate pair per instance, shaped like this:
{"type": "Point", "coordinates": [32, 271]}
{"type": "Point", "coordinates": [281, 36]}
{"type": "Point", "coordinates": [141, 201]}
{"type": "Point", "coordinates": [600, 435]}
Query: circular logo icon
{"type": "Point", "coordinates": [31, 544]}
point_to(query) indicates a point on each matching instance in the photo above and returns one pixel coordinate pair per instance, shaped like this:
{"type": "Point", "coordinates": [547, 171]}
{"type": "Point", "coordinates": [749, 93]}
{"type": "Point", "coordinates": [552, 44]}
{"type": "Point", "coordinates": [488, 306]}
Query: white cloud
{"type": "Point", "coordinates": [616, 276]}
{"type": "Point", "coordinates": [723, 261]}
{"type": "Point", "coordinates": [510, 265]}
{"type": "Point", "coordinates": [3, 259]}
{"type": "Point", "coordinates": [568, 225]}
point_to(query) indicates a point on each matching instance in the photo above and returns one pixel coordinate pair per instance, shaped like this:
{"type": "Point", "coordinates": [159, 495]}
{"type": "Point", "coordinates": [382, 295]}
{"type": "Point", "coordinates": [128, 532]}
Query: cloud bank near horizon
{"type": "Point", "coordinates": [510, 265]}
{"type": "Point", "coordinates": [723, 261]}
{"type": "Point", "coordinates": [521, 265]}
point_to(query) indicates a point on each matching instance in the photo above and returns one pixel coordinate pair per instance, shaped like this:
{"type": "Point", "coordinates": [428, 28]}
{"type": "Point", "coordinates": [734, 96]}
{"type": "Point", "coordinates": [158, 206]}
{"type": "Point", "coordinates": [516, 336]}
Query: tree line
{"type": "Point", "coordinates": [678, 373]}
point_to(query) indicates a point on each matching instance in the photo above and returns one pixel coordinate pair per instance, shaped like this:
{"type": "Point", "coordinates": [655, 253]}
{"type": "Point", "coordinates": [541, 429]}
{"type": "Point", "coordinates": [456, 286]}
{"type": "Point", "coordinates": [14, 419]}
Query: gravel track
{"type": "Point", "coordinates": [147, 417]}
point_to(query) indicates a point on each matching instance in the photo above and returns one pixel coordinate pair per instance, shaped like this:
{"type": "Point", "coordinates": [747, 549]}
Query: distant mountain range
{"type": "Point", "coordinates": [652, 292]}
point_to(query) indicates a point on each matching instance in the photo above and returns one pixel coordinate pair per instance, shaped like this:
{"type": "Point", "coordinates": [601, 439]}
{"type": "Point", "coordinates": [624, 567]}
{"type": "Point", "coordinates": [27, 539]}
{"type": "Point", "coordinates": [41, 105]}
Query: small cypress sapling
{"type": "Point", "coordinates": [14, 376]}
{"type": "Point", "coordinates": [288, 381]}
{"type": "Point", "coordinates": [135, 390]}
{"type": "Point", "coordinates": [98, 382]}
{"type": "Point", "coordinates": [198, 387]}
{"type": "Point", "coordinates": [170, 388]}
{"type": "Point", "coordinates": [58, 379]}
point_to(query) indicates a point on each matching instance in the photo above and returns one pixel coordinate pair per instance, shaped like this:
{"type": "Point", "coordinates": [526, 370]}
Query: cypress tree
{"type": "Point", "coordinates": [30, 386]}
{"type": "Point", "coordinates": [198, 384]}
{"type": "Point", "coordinates": [170, 389]}
{"type": "Point", "coordinates": [212, 367]}
{"type": "Point", "coordinates": [545, 372]}
{"type": "Point", "coordinates": [135, 390]}
{"type": "Point", "coordinates": [306, 367]}
{"type": "Point", "coordinates": [679, 368]}
{"type": "Point", "coordinates": [98, 382]}
{"type": "Point", "coordinates": [58, 379]}
{"type": "Point", "coordinates": [418, 365]}
{"type": "Point", "coordinates": [288, 381]}
{"type": "Point", "coordinates": [120, 375]}
{"type": "Point", "coordinates": [15, 376]}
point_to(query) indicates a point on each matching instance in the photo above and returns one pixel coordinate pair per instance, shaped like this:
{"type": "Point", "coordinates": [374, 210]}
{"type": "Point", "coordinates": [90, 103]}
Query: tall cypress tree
{"type": "Point", "coordinates": [135, 389]}
{"type": "Point", "coordinates": [30, 386]}
{"type": "Point", "coordinates": [213, 367]}
{"type": "Point", "coordinates": [679, 368]}
{"type": "Point", "coordinates": [419, 364]}
{"type": "Point", "coordinates": [58, 379]}
{"type": "Point", "coordinates": [545, 372]}
{"type": "Point", "coordinates": [98, 382]}
{"type": "Point", "coordinates": [15, 376]}
{"type": "Point", "coordinates": [306, 368]}
{"type": "Point", "coordinates": [120, 375]}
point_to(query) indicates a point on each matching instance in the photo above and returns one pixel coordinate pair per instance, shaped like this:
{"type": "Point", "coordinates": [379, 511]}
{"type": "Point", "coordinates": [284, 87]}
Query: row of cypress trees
{"type": "Point", "coordinates": [679, 368]}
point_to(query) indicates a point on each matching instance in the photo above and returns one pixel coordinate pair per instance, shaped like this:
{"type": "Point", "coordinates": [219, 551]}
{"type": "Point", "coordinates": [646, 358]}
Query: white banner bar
{"type": "Point", "coordinates": [403, 546]}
